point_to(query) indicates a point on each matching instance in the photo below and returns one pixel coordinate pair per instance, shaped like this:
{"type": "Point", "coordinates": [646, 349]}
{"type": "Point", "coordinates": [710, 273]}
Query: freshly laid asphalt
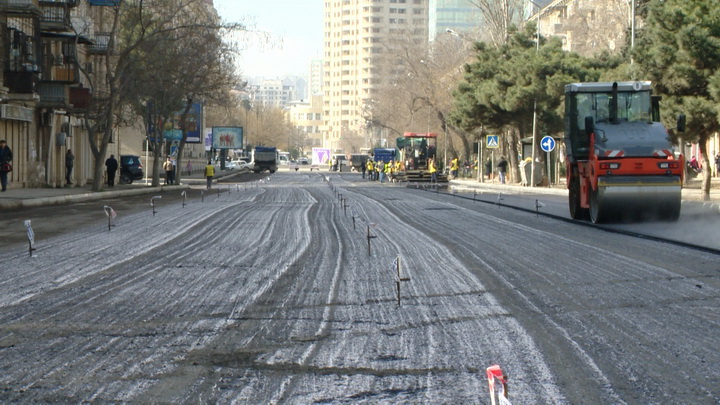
{"type": "Point", "coordinates": [18, 198]}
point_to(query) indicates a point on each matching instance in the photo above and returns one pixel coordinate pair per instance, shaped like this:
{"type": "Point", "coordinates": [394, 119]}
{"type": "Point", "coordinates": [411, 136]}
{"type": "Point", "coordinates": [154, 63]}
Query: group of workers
{"type": "Point", "coordinates": [381, 170]}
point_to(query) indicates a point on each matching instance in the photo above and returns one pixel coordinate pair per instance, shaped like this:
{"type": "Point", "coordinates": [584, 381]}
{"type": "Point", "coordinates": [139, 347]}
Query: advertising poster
{"type": "Point", "coordinates": [227, 137]}
{"type": "Point", "coordinates": [172, 131]}
{"type": "Point", "coordinates": [320, 155]}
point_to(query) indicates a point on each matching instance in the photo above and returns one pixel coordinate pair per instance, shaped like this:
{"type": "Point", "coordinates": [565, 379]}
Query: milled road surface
{"type": "Point", "coordinates": [269, 296]}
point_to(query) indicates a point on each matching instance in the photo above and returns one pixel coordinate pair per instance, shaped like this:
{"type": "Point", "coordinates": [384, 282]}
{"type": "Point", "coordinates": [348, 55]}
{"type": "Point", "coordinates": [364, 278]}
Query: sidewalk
{"type": "Point", "coordinates": [18, 198]}
{"type": "Point", "coordinates": [690, 192]}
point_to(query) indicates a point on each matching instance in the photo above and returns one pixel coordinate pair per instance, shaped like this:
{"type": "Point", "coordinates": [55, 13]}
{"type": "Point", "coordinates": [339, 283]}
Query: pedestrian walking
{"type": "Point", "coordinates": [189, 167]}
{"type": "Point", "coordinates": [169, 168]}
{"type": "Point", "coordinates": [717, 165]}
{"type": "Point", "coordinates": [370, 169]}
{"type": "Point", "coordinates": [488, 168]}
{"type": "Point", "coordinates": [111, 164]}
{"type": "Point", "coordinates": [433, 170]}
{"type": "Point", "coordinates": [6, 157]}
{"type": "Point", "coordinates": [363, 168]}
{"type": "Point", "coordinates": [209, 174]}
{"type": "Point", "coordinates": [502, 169]}
{"type": "Point", "coordinates": [69, 164]}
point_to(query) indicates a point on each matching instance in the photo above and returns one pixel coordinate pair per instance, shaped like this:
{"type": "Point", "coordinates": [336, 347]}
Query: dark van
{"type": "Point", "coordinates": [130, 168]}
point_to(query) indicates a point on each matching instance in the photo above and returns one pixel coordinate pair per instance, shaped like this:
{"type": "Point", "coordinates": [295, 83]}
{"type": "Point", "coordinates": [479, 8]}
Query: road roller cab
{"type": "Point", "coordinates": [620, 159]}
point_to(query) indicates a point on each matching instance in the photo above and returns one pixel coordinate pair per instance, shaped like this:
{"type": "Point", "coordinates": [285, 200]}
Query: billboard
{"type": "Point", "coordinates": [227, 137]}
{"type": "Point", "coordinates": [172, 131]}
{"type": "Point", "coordinates": [320, 155]}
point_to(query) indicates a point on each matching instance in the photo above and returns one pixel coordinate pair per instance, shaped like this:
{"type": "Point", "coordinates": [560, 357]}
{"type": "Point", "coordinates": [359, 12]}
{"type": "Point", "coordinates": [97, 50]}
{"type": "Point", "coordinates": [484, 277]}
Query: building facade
{"type": "Point", "coordinates": [358, 34]}
{"type": "Point", "coordinates": [586, 26]}
{"type": "Point", "coordinates": [456, 15]}
{"type": "Point", "coordinates": [272, 93]}
{"type": "Point", "coordinates": [306, 116]}
{"type": "Point", "coordinates": [47, 53]}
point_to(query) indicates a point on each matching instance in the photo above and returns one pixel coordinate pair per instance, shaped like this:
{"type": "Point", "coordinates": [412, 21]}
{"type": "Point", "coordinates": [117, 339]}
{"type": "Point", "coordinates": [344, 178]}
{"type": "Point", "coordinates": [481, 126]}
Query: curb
{"type": "Point", "coordinates": [92, 196]}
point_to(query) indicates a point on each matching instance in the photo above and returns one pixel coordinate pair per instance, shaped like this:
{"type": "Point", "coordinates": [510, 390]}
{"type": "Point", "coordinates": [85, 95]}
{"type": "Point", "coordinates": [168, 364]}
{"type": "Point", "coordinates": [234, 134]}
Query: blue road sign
{"type": "Point", "coordinates": [493, 141]}
{"type": "Point", "coordinates": [547, 143]}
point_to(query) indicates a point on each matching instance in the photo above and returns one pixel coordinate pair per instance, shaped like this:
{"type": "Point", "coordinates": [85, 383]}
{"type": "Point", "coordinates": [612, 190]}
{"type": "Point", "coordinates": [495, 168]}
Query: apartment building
{"type": "Point", "coordinates": [456, 15]}
{"type": "Point", "coordinates": [46, 51]}
{"type": "Point", "coordinates": [358, 36]}
{"type": "Point", "coordinates": [306, 115]}
{"type": "Point", "coordinates": [272, 93]}
{"type": "Point", "coordinates": [585, 26]}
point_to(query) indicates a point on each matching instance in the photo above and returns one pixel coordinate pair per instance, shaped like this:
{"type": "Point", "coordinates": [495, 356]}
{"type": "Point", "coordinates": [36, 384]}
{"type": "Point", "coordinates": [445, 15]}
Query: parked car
{"type": "Point", "coordinates": [131, 168]}
{"type": "Point", "coordinates": [293, 165]}
{"type": "Point", "coordinates": [303, 162]}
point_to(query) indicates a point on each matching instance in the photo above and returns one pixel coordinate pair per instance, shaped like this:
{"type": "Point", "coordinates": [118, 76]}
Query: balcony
{"type": "Point", "coordinates": [104, 2]}
{"type": "Point", "coordinates": [54, 18]}
{"type": "Point", "coordinates": [100, 42]}
{"type": "Point", "coordinates": [60, 3]}
{"type": "Point", "coordinates": [53, 95]}
{"type": "Point", "coordinates": [58, 68]}
{"type": "Point", "coordinates": [80, 98]}
{"type": "Point", "coordinates": [20, 82]}
{"type": "Point", "coordinates": [21, 7]}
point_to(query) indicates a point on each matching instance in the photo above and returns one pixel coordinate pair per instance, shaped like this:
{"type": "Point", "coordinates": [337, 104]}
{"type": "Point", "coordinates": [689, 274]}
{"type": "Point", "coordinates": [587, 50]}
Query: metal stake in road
{"type": "Point", "coordinates": [345, 207]}
{"type": "Point", "coordinates": [474, 194]}
{"type": "Point", "coordinates": [369, 237]}
{"type": "Point", "coordinates": [31, 237]}
{"type": "Point", "coordinates": [152, 203]}
{"type": "Point", "coordinates": [202, 195]}
{"type": "Point", "coordinates": [353, 218]}
{"type": "Point", "coordinates": [499, 199]}
{"type": "Point", "coordinates": [538, 205]}
{"type": "Point", "coordinates": [184, 196]}
{"type": "Point", "coordinates": [218, 192]}
{"type": "Point", "coordinates": [111, 215]}
{"type": "Point", "coordinates": [398, 278]}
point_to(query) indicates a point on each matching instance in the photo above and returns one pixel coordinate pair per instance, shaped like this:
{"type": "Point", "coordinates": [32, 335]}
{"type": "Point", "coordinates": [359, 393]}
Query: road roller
{"type": "Point", "coordinates": [621, 163]}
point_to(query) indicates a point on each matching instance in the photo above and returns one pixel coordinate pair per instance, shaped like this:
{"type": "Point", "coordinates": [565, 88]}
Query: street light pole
{"type": "Point", "coordinates": [534, 130]}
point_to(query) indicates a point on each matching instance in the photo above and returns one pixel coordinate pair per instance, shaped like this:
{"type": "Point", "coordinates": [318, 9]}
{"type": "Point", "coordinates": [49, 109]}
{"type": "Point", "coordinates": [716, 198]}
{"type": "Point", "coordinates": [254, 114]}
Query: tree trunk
{"type": "Point", "coordinates": [707, 168]}
{"type": "Point", "coordinates": [183, 140]}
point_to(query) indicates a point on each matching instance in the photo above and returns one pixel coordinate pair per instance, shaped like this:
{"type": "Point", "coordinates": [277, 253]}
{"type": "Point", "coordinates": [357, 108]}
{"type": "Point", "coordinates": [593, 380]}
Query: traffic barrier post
{"type": "Point", "coordinates": [111, 216]}
{"type": "Point", "coordinates": [370, 236]}
{"type": "Point", "coordinates": [398, 278]}
{"type": "Point", "coordinates": [31, 238]}
{"type": "Point", "coordinates": [152, 203]}
{"type": "Point", "coordinates": [184, 197]}
{"type": "Point", "coordinates": [494, 372]}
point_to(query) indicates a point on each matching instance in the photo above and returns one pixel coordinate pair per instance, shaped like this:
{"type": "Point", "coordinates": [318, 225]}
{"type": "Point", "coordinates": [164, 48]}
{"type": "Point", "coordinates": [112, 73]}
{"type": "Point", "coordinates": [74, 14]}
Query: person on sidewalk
{"type": "Point", "coordinates": [502, 169]}
{"type": "Point", "coordinates": [5, 167]}
{"type": "Point", "coordinates": [209, 174]}
{"type": "Point", "coordinates": [169, 172]}
{"type": "Point", "coordinates": [112, 165]}
{"type": "Point", "coordinates": [69, 164]}
{"type": "Point", "coordinates": [717, 165]}
{"type": "Point", "coordinates": [433, 171]}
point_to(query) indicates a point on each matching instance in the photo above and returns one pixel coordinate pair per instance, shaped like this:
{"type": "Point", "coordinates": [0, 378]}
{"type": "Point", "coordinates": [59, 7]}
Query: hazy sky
{"type": "Point", "coordinates": [296, 29]}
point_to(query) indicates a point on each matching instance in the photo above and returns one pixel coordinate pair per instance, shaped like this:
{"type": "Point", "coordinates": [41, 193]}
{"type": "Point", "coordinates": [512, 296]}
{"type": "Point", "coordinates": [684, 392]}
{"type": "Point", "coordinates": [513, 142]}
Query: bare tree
{"type": "Point", "coordinates": [499, 15]}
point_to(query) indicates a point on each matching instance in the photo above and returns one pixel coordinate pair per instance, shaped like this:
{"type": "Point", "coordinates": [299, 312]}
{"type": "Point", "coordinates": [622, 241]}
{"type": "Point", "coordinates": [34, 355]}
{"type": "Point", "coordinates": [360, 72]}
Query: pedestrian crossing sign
{"type": "Point", "coordinates": [493, 141]}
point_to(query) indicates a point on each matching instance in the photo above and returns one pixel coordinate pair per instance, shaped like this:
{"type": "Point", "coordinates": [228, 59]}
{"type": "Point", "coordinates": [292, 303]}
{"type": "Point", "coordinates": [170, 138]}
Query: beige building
{"type": "Point", "coordinates": [359, 34]}
{"type": "Point", "coordinates": [586, 26]}
{"type": "Point", "coordinates": [306, 115]}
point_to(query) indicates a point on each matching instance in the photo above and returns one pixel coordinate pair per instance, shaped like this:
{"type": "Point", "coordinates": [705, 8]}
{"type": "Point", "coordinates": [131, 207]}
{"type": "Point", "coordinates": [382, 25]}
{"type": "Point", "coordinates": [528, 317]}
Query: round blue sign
{"type": "Point", "coordinates": [547, 143]}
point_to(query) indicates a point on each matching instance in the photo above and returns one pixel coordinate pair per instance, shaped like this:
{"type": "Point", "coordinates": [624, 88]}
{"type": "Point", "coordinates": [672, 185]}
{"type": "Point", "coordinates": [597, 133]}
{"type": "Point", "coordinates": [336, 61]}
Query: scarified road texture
{"type": "Point", "coordinates": [269, 296]}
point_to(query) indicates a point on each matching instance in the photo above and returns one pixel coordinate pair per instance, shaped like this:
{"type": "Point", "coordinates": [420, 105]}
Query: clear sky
{"type": "Point", "coordinates": [295, 28]}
